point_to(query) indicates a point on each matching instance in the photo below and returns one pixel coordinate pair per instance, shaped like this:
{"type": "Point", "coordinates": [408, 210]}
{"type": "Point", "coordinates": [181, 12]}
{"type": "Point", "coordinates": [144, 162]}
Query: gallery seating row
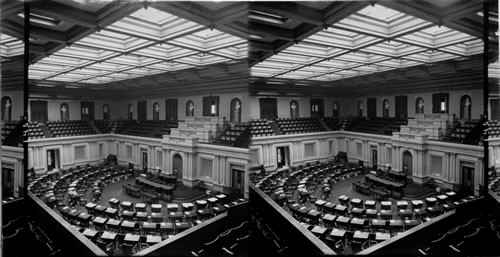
{"type": "Point", "coordinates": [494, 128]}
{"type": "Point", "coordinates": [69, 128]}
{"type": "Point", "coordinates": [34, 130]}
{"type": "Point", "coordinates": [461, 131]}
{"type": "Point", "coordinates": [231, 134]}
{"type": "Point", "coordinates": [260, 127]}
{"type": "Point", "coordinates": [7, 128]}
{"type": "Point", "coordinates": [299, 125]}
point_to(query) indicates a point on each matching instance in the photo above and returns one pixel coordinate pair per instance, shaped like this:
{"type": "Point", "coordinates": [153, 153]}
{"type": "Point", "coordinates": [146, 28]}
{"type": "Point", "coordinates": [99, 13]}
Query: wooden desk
{"type": "Point", "coordinates": [99, 221]}
{"type": "Point", "coordinates": [132, 238]}
{"type": "Point", "coordinates": [160, 188]}
{"type": "Point", "coordinates": [337, 233]}
{"type": "Point", "coordinates": [149, 197]}
{"type": "Point", "coordinates": [90, 233]}
{"type": "Point", "coordinates": [379, 195]}
{"type": "Point", "coordinates": [360, 235]}
{"type": "Point", "coordinates": [114, 224]}
{"type": "Point", "coordinates": [357, 212]}
{"type": "Point", "coordinates": [343, 221]}
{"type": "Point", "coordinates": [133, 191]}
{"type": "Point", "coordinates": [128, 215]}
{"type": "Point", "coordinates": [172, 207]}
{"type": "Point", "coordinates": [382, 236]}
{"type": "Point", "coordinates": [108, 236]}
{"type": "Point", "coordinates": [328, 218]}
{"type": "Point", "coordinates": [152, 239]}
{"type": "Point", "coordinates": [379, 223]}
{"type": "Point", "coordinates": [384, 182]}
{"type": "Point", "coordinates": [319, 231]}
{"type": "Point", "coordinates": [358, 223]}
{"type": "Point", "coordinates": [157, 216]}
{"type": "Point", "coordinates": [386, 214]}
{"type": "Point", "coordinates": [181, 226]}
{"type": "Point", "coordinates": [128, 225]}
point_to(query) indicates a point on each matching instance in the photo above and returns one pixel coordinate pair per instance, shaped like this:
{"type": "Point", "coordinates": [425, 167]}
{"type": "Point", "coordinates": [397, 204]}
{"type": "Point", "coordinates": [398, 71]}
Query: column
{"type": "Point", "coordinates": [453, 168]}
{"type": "Point", "coordinates": [215, 169]}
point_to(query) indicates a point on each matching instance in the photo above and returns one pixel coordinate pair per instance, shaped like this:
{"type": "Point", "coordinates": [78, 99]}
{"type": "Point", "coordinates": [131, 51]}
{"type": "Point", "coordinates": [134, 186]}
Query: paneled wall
{"type": "Point", "coordinates": [224, 105]}
{"type": "Point", "coordinates": [349, 105]}
{"type": "Point", "coordinates": [439, 161]}
{"type": "Point", "coordinates": [12, 158]}
{"type": "Point", "coordinates": [17, 103]}
{"type": "Point", "coordinates": [494, 153]}
{"type": "Point", "coordinates": [160, 153]}
{"type": "Point", "coordinates": [119, 108]}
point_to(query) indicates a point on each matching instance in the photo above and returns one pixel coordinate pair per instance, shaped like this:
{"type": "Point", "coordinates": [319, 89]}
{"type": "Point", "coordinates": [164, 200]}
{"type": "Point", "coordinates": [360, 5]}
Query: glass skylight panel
{"type": "Point", "coordinates": [364, 25]}
{"type": "Point", "coordinates": [380, 13]}
{"type": "Point", "coordinates": [436, 30]}
{"type": "Point", "coordinates": [440, 56]}
{"type": "Point", "coordinates": [135, 28]}
{"type": "Point", "coordinates": [225, 43]}
{"type": "Point", "coordinates": [290, 76]}
{"type": "Point", "coordinates": [102, 42]}
{"type": "Point", "coordinates": [102, 53]}
{"type": "Point", "coordinates": [209, 34]}
{"type": "Point", "coordinates": [153, 15]}
{"type": "Point", "coordinates": [10, 46]}
{"type": "Point", "coordinates": [228, 54]}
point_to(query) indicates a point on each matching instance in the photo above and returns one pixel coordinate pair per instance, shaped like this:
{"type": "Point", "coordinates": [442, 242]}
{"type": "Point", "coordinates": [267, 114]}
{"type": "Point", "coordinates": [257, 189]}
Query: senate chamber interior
{"type": "Point", "coordinates": [217, 128]}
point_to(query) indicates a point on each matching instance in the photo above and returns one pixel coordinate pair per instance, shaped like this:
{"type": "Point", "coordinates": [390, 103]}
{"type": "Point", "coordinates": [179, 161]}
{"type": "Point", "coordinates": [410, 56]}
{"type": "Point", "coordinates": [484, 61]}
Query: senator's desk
{"type": "Point", "coordinates": [161, 188]}
{"type": "Point", "coordinates": [394, 187]}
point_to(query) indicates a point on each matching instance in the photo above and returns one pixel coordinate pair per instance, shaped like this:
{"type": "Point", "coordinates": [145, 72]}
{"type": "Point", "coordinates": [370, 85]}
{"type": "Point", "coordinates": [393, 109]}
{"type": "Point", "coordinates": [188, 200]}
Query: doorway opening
{"type": "Point", "coordinates": [53, 159]}
{"type": "Point", "coordinates": [283, 156]}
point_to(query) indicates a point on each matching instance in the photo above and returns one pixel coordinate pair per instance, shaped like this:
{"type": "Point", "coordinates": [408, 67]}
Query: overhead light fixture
{"type": "Point", "coordinates": [274, 82]}
{"type": "Point", "coordinates": [70, 87]}
{"type": "Point", "coordinates": [267, 17]}
{"type": "Point", "coordinates": [42, 19]}
{"type": "Point", "coordinates": [256, 37]}
{"type": "Point", "coordinates": [492, 17]}
{"type": "Point", "coordinates": [45, 85]}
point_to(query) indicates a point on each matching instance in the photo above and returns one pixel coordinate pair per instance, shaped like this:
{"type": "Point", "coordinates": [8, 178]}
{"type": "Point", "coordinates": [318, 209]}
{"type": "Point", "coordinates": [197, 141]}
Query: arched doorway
{"type": "Point", "coordinates": [130, 111]}
{"type": "Point", "coordinates": [64, 111]}
{"type": "Point", "coordinates": [235, 110]}
{"type": "Point", "coordinates": [156, 111]}
{"type": "Point", "coordinates": [105, 112]}
{"type": "Point", "coordinates": [419, 105]}
{"type": "Point", "coordinates": [6, 108]}
{"type": "Point", "coordinates": [407, 163]}
{"type": "Point", "coordinates": [465, 107]}
{"type": "Point", "coordinates": [336, 109]}
{"type": "Point", "coordinates": [189, 108]}
{"type": "Point", "coordinates": [294, 109]}
{"type": "Point", "coordinates": [177, 165]}
{"type": "Point", "coordinates": [385, 108]}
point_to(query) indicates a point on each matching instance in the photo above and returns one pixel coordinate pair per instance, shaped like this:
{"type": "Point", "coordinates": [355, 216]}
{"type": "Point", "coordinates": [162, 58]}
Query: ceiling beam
{"type": "Point", "coordinates": [292, 10]}
{"type": "Point", "coordinates": [231, 13]}
{"type": "Point", "coordinates": [65, 13]}
{"type": "Point", "coordinates": [270, 31]}
{"type": "Point", "coordinates": [185, 10]}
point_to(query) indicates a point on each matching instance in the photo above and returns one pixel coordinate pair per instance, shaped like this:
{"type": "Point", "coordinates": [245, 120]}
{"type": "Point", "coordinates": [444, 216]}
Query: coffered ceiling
{"type": "Point", "coordinates": [122, 44]}
{"type": "Point", "coordinates": [330, 43]}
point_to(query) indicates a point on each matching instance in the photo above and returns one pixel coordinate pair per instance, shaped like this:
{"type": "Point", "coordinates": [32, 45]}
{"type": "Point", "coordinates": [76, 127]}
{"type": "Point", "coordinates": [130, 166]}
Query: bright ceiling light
{"type": "Point", "coordinates": [267, 17]}
{"type": "Point", "coordinates": [42, 19]}
{"type": "Point", "coordinates": [256, 37]}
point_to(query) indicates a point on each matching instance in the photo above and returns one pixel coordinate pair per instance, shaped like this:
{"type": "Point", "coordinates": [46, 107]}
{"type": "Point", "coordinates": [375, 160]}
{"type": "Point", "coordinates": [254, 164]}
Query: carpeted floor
{"type": "Point", "coordinates": [114, 190]}
{"type": "Point", "coordinates": [344, 187]}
